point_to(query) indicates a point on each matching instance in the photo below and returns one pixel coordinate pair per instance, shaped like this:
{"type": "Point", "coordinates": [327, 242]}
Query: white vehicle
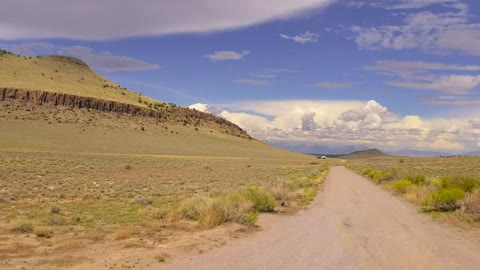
{"type": "Point", "coordinates": [323, 157]}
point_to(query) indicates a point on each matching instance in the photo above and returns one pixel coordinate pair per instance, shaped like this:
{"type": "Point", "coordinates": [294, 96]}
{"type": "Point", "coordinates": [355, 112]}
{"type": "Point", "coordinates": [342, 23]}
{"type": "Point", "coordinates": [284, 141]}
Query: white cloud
{"type": "Point", "coordinates": [104, 61]}
{"type": "Point", "coordinates": [453, 102]}
{"type": "Point", "coordinates": [304, 38]}
{"type": "Point", "coordinates": [453, 84]}
{"type": "Point", "coordinates": [324, 122]}
{"type": "Point", "coordinates": [227, 55]}
{"type": "Point", "coordinates": [402, 4]}
{"type": "Point", "coordinates": [412, 69]}
{"type": "Point", "coordinates": [270, 73]}
{"type": "Point", "coordinates": [110, 19]}
{"type": "Point", "coordinates": [445, 32]}
{"type": "Point", "coordinates": [253, 82]}
{"type": "Point", "coordinates": [418, 75]}
{"type": "Point", "coordinates": [334, 84]}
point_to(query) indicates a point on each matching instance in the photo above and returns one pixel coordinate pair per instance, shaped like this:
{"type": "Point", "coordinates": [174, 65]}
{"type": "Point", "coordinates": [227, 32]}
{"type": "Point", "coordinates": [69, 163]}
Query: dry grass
{"type": "Point", "coordinates": [63, 75]}
{"type": "Point", "coordinates": [74, 195]}
{"type": "Point", "coordinates": [443, 185]}
{"type": "Point", "coordinates": [472, 205]}
{"type": "Point", "coordinates": [72, 179]}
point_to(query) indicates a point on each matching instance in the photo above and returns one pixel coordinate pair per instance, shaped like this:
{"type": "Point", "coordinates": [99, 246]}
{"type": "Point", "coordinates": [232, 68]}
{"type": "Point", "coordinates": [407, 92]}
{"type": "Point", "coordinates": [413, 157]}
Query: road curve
{"type": "Point", "coordinates": [353, 224]}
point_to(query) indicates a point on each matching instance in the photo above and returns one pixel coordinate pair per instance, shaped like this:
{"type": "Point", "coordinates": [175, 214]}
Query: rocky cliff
{"type": "Point", "coordinates": [24, 97]}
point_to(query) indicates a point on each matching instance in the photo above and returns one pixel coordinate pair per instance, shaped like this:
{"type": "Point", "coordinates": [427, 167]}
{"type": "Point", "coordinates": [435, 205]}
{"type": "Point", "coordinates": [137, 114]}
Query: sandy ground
{"type": "Point", "coordinates": [353, 224]}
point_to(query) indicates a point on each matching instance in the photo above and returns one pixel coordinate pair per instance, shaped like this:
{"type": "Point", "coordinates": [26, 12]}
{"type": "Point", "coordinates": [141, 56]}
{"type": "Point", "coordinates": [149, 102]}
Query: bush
{"type": "Point", "coordinates": [445, 199]}
{"type": "Point", "coordinates": [261, 199]}
{"type": "Point", "coordinates": [417, 179]}
{"type": "Point", "coordinates": [55, 209]}
{"type": "Point", "coordinates": [191, 208]}
{"type": "Point", "coordinates": [229, 208]}
{"type": "Point", "coordinates": [44, 232]}
{"type": "Point", "coordinates": [472, 205]}
{"type": "Point", "coordinates": [142, 200]}
{"type": "Point", "coordinates": [22, 226]}
{"type": "Point", "coordinates": [280, 191]}
{"type": "Point", "coordinates": [308, 195]}
{"type": "Point", "coordinates": [401, 186]}
{"type": "Point", "coordinates": [467, 184]}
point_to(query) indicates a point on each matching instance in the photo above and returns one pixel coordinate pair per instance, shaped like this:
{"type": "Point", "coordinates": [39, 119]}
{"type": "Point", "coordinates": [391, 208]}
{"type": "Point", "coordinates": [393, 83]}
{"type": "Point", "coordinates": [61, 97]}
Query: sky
{"type": "Point", "coordinates": [306, 75]}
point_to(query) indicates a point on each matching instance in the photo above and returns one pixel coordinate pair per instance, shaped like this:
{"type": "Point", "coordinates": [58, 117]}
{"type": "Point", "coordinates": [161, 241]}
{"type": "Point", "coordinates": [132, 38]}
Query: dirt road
{"type": "Point", "coordinates": [353, 224]}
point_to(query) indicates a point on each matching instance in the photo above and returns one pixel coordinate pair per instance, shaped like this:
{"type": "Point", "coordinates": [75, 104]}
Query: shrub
{"type": "Point", "coordinates": [417, 179]}
{"type": "Point", "coordinates": [142, 200]}
{"type": "Point", "coordinates": [22, 226]}
{"type": "Point", "coordinates": [472, 205]}
{"type": "Point", "coordinates": [191, 208]}
{"type": "Point", "coordinates": [401, 186]}
{"type": "Point", "coordinates": [417, 193]}
{"type": "Point", "coordinates": [366, 171]}
{"type": "Point", "coordinates": [228, 208]}
{"type": "Point", "coordinates": [261, 199]}
{"type": "Point", "coordinates": [55, 209]}
{"type": "Point", "coordinates": [467, 184]}
{"type": "Point", "coordinates": [445, 199]}
{"type": "Point", "coordinates": [44, 232]}
{"type": "Point", "coordinates": [308, 194]}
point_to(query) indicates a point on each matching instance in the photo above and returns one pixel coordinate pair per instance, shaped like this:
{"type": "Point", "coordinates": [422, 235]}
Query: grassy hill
{"type": "Point", "coordinates": [175, 130]}
{"type": "Point", "coordinates": [371, 153]}
{"type": "Point", "coordinates": [63, 74]}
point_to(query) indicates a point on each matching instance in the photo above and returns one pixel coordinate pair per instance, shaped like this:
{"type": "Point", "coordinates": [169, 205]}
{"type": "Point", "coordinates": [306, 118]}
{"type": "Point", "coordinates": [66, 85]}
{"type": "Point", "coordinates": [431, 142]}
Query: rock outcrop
{"type": "Point", "coordinates": [173, 114]}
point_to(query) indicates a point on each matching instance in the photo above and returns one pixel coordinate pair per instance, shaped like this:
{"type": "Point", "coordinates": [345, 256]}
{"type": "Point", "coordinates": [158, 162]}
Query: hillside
{"type": "Point", "coordinates": [57, 103]}
{"type": "Point", "coordinates": [364, 154]}
{"type": "Point", "coordinates": [62, 74]}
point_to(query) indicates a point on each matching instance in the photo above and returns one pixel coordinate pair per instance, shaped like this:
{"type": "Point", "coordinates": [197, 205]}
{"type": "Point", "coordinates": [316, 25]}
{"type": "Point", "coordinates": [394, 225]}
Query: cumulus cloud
{"type": "Point", "coordinates": [323, 122]}
{"type": "Point", "coordinates": [253, 82]}
{"type": "Point", "coordinates": [445, 32]}
{"type": "Point", "coordinates": [304, 38]}
{"type": "Point", "coordinates": [200, 107]}
{"type": "Point", "coordinates": [333, 84]}
{"type": "Point", "coordinates": [308, 121]}
{"type": "Point", "coordinates": [110, 19]}
{"type": "Point", "coordinates": [227, 55]}
{"type": "Point", "coordinates": [104, 60]}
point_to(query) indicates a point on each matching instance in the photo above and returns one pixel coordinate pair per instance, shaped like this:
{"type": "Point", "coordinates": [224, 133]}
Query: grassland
{"type": "Point", "coordinates": [54, 199]}
{"type": "Point", "coordinates": [445, 187]}
{"type": "Point", "coordinates": [87, 189]}
{"type": "Point", "coordinates": [76, 181]}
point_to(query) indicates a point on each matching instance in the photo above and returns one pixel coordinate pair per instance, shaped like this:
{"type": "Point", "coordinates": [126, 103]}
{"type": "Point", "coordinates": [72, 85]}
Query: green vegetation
{"type": "Point", "coordinates": [22, 226]}
{"type": "Point", "coordinates": [262, 200]}
{"type": "Point", "coordinates": [444, 199]}
{"type": "Point", "coordinates": [435, 184]}
{"type": "Point", "coordinates": [243, 206]}
{"type": "Point", "coordinates": [465, 183]}
{"type": "Point", "coordinates": [401, 186]}
{"type": "Point", "coordinates": [4, 52]}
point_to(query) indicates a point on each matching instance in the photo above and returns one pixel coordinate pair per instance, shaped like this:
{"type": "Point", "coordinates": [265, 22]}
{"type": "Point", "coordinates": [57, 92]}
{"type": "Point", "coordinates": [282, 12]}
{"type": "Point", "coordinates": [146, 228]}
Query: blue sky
{"type": "Point", "coordinates": [302, 74]}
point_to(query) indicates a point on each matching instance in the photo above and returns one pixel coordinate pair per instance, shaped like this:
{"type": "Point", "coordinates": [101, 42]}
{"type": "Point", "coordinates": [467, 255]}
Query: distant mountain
{"type": "Point", "coordinates": [472, 154]}
{"type": "Point", "coordinates": [316, 149]}
{"type": "Point", "coordinates": [364, 154]}
{"type": "Point", "coordinates": [419, 153]}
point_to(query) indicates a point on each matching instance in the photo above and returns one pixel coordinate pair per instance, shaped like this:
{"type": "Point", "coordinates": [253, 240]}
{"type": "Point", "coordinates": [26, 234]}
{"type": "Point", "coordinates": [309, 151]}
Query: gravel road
{"type": "Point", "coordinates": [353, 224]}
